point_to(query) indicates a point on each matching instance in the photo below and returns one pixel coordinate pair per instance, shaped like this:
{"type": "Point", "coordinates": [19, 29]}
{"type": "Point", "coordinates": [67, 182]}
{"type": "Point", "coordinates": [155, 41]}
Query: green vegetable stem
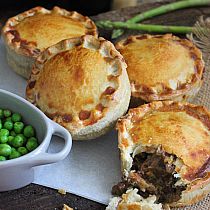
{"type": "Point", "coordinates": [145, 27]}
{"type": "Point", "coordinates": [159, 11]}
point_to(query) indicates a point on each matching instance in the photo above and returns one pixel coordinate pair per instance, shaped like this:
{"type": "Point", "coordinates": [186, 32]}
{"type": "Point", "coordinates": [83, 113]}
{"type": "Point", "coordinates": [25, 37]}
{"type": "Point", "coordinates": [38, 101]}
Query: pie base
{"type": "Point", "coordinates": [21, 64]}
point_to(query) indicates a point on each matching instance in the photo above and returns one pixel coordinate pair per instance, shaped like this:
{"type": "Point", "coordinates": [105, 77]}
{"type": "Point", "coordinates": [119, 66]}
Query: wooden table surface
{"type": "Point", "coordinates": [42, 198]}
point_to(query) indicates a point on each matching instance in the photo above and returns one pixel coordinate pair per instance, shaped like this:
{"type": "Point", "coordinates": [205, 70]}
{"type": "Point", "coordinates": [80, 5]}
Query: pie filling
{"type": "Point", "coordinates": [153, 174]}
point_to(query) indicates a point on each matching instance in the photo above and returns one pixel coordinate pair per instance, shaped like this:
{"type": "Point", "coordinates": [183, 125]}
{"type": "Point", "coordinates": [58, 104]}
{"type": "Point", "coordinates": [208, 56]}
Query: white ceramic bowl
{"type": "Point", "coordinates": [19, 172]}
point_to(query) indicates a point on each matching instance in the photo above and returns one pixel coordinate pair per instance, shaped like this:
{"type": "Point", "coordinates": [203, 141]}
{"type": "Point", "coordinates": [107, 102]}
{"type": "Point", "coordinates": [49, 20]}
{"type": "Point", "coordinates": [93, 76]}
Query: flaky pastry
{"type": "Point", "coordinates": [132, 200]}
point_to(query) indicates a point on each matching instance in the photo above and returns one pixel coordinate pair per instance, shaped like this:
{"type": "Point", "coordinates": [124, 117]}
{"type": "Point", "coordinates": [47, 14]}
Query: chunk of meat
{"type": "Point", "coordinates": [141, 183]}
{"type": "Point", "coordinates": [152, 175]}
{"type": "Point", "coordinates": [160, 174]}
{"type": "Point", "coordinates": [120, 188]}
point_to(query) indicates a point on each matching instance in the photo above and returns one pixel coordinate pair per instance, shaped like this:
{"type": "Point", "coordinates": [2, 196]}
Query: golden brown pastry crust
{"type": "Point", "coordinates": [82, 84]}
{"type": "Point", "coordinates": [183, 130]}
{"type": "Point", "coordinates": [14, 40]}
{"type": "Point", "coordinates": [162, 67]}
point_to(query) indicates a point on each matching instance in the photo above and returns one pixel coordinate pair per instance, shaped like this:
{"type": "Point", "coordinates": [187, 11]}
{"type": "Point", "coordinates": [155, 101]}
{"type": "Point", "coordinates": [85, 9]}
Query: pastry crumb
{"type": "Point", "coordinates": [66, 207]}
{"type": "Point", "coordinates": [62, 191]}
{"type": "Point", "coordinates": [166, 207]}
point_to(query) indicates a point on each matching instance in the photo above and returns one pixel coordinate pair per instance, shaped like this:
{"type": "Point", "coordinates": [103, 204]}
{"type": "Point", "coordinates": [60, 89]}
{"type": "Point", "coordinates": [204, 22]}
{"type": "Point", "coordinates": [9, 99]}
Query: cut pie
{"type": "Point", "coordinates": [162, 67]}
{"type": "Point", "coordinates": [165, 152]}
{"type": "Point", "coordinates": [82, 84]}
{"type": "Point", "coordinates": [29, 33]}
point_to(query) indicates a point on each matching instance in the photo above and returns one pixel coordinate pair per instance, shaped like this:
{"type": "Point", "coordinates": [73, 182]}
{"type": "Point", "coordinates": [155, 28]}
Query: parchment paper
{"type": "Point", "coordinates": [93, 166]}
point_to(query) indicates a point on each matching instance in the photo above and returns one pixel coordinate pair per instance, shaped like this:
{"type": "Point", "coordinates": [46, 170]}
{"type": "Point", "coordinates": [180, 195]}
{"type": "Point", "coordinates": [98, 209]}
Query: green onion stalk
{"type": "Point", "coordinates": [158, 11]}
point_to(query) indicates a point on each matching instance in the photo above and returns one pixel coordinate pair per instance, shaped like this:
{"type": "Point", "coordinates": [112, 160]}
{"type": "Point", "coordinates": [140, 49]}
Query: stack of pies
{"type": "Point", "coordinates": [85, 84]}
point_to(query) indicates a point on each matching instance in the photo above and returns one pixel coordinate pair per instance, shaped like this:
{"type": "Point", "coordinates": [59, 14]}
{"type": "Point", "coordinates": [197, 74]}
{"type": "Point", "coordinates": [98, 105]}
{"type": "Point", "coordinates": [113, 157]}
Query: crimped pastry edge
{"type": "Point", "coordinates": [32, 51]}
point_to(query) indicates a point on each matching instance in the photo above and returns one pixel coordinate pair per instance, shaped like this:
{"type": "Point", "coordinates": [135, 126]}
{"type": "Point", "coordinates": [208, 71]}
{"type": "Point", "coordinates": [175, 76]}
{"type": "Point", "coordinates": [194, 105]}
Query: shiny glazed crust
{"type": "Point", "coordinates": [82, 84]}
{"type": "Point", "coordinates": [21, 53]}
{"type": "Point", "coordinates": [168, 84]}
{"type": "Point", "coordinates": [181, 129]}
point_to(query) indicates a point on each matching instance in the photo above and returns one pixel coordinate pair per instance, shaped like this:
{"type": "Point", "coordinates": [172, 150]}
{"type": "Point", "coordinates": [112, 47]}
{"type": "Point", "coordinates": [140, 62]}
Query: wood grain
{"type": "Point", "coordinates": [36, 197]}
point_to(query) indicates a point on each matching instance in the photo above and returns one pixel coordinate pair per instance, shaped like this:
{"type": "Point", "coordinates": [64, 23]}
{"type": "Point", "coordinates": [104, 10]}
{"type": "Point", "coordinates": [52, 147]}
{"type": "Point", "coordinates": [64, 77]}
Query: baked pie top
{"type": "Point", "coordinates": [161, 65]}
{"type": "Point", "coordinates": [181, 129]}
{"type": "Point", "coordinates": [78, 81]}
{"type": "Point", "coordinates": [34, 30]}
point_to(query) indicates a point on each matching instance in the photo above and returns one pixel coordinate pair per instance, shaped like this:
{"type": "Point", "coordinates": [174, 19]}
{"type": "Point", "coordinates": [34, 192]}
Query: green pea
{"type": "Point", "coordinates": [3, 139]}
{"type": "Point", "coordinates": [7, 113]}
{"type": "Point", "coordinates": [32, 144]}
{"type": "Point", "coordinates": [29, 131]}
{"type": "Point", "coordinates": [8, 119]}
{"type": "Point", "coordinates": [2, 158]}
{"type": "Point", "coordinates": [4, 132]}
{"type": "Point", "coordinates": [8, 125]}
{"type": "Point", "coordinates": [12, 133]}
{"type": "Point", "coordinates": [17, 141]}
{"type": "Point", "coordinates": [22, 150]}
{"type": "Point", "coordinates": [22, 136]}
{"type": "Point", "coordinates": [1, 113]}
{"type": "Point", "coordinates": [5, 150]}
{"type": "Point", "coordinates": [18, 127]}
{"type": "Point", "coordinates": [16, 117]}
{"type": "Point", "coordinates": [14, 154]}
{"type": "Point", "coordinates": [10, 138]}
{"type": "Point", "coordinates": [13, 149]}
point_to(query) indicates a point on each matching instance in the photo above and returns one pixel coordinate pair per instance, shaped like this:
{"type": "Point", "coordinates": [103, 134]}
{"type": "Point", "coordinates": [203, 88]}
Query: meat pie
{"type": "Point", "coordinates": [162, 67]}
{"type": "Point", "coordinates": [82, 84]}
{"type": "Point", "coordinates": [165, 153]}
{"type": "Point", "coordinates": [28, 34]}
